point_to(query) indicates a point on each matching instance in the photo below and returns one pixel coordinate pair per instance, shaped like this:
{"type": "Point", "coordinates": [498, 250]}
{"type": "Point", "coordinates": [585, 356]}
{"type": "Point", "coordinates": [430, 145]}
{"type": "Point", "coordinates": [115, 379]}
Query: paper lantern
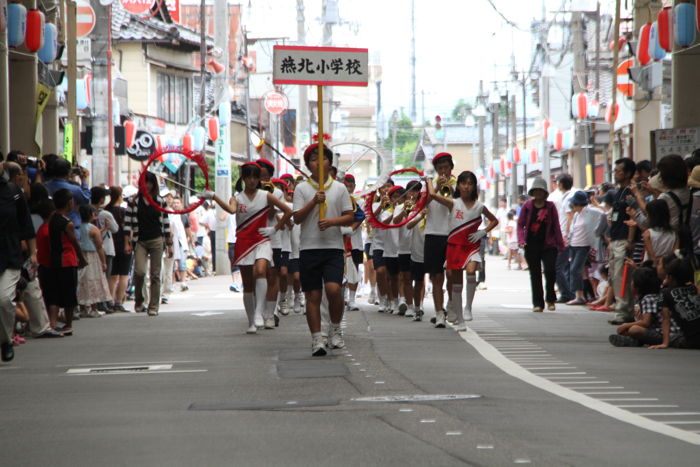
{"type": "Point", "coordinates": [224, 113]}
{"type": "Point", "coordinates": [684, 24]}
{"type": "Point", "coordinates": [199, 135]}
{"type": "Point", "coordinates": [213, 125]}
{"type": "Point", "coordinates": [34, 35]}
{"type": "Point", "coordinates": [558, 141]}
{"type": "Point", "coordinates": [568, 140]}
{"type": "Point", "coordinates": [593, 109]}
{"type": "Point", "coordinates": [81, 95]}
{"type": "Point", "coordinates": [16, 24]}
{"type": "Point", "coordinates": [609, 117]}
{"type": "Point", "coordinates": [509, 154]}
{"type": "Point", "coordinates": [516, 155]}
{"type": "Point", "coordinates": [533, 156]}
{"type": "Point", "coordinates": [656, 52]}
{"type": "Point", "coordinates": [643, 45]}
{"type": "Point", "coordinates": [159, 141]}
{"type": "Point", "coordinates": [579, 105]}
{"type": "Point", "coordinates": [129, 133]}
{"type": "Point", "coordinates": [502, 165]}
{"type": "Point", "coordinates": [47, 53]}
{"type": "Point", "coordinates": [545, 128]}
{"type": "Point", "coordinates": [187, 142]}
{"type": "Point", "coordinates": [492, 172]}
{"type": "Point", "coordinates": [665, 28]}
{"type": "Point", "coordinates": [552, 135]}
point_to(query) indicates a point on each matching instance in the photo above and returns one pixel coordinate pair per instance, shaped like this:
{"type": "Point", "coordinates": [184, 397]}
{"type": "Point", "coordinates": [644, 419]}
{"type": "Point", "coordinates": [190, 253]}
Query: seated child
{"type": "Point", "coordinates": [21, 312]}
{"type": "Point", "coordinates": [680, 302]}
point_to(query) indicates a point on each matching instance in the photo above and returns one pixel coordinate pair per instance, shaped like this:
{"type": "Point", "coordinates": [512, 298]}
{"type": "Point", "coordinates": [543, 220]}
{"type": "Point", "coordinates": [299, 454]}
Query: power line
{"type": "Point", "coordinates": [508, 22]}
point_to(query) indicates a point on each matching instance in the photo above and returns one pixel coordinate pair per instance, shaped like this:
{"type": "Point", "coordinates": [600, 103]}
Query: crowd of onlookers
{"type": "Point", "coordinates": [629, 247]}
{"type": "Point", "coordinates": [69, 251]}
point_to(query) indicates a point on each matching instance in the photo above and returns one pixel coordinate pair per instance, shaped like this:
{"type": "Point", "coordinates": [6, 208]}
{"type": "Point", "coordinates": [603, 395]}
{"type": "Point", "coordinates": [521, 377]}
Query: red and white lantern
{"type": "Point", "coordinates": [545, 128]}
{"type": "Point", "coordinates": [665, 22]}
{"type": "Point", "coordinates": [516, 155]}
{"type": "Point", "coordinates": [533, 156]}
{"type": "Point", "coordinates": [187, 142]}
{"type": "Point", "coordinates": [643, 56]}
{"type": "Point", "coordinates": [579, 105]}
{"type": "Point", "coordinates": [129, 132]}
{"type": "Point", "coordinates": [213, 126]}
{"type": "Point", "coordinates": [609, 117]}
{"type": "Point", "coordinates": [558, 141]}
{"type": "Point", "coordinates": [34, 36]}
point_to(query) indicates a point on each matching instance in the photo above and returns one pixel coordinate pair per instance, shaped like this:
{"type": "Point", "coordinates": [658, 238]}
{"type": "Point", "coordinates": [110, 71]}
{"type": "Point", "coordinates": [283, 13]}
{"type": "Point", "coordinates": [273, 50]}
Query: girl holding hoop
{"type": "Point", "coordinates": [253, 252]}
{"type": "Point", "coordinates": [464, 240]}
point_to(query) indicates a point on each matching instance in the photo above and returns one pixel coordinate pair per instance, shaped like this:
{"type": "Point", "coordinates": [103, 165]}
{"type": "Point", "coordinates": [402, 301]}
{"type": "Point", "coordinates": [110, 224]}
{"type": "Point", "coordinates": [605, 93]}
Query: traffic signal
{"type": "Point", "coordinates": [438, 124]}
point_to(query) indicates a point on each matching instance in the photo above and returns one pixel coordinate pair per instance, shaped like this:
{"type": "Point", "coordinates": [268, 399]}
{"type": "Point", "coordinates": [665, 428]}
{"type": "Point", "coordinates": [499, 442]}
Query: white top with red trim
{"type": "Point", "coordinates": [247, 207]}
{"type": "Point", "coordinates": [464, 220]}
{"type": "Point", "coordinates": [337, 202]}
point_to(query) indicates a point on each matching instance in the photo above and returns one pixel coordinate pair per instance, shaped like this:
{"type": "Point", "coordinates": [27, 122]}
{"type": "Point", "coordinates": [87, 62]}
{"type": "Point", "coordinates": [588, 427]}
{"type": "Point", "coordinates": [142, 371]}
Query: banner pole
{"type": "Point", "coordinates": [321, 154]}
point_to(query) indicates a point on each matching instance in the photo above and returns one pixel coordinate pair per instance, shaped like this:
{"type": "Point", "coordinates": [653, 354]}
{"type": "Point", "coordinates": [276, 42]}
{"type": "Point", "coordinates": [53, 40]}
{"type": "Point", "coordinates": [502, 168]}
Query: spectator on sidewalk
{"type": "Point", "coordinates": [581, 238]}
{"type": "Point", "coordinates": [61, 173]}
{"type": "Point", "coordinates": [119, 273]}
{"type": "Point", "coordinates": [15, 227]}
{"type": "Point", "coordinates": [540, 235]}
{"type": "Point", "coordinates": [92, 279]}
{"type": "Point", "coordinates": [147, 233]}
{"type": "Point", "coordinates": [565, 182]}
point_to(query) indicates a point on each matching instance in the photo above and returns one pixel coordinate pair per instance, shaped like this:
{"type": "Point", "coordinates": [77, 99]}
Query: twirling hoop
{"type": "Point", "coordinates": [422, 202]}
{"type": "Point", "coordinates": [195, 157]}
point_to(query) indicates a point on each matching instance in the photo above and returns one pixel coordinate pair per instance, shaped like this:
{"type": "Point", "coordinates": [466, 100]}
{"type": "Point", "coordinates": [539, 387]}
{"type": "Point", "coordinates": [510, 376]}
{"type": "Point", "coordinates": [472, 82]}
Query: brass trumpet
{"type": "Point", "coordinates": [268, 186]}
{"type": "Point", "coordinates": [446, 190]}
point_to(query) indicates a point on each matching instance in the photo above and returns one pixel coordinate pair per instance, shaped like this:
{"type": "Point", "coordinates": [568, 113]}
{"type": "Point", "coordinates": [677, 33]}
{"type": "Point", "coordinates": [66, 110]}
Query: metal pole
{"type": "Point", "coordinates": [514, 175]}
{"type": "Point", "coordinates": [321, 154]}
{"type": "Point", "coordinates": [4, 91]}
{"type": "Point", "coordinates": [522, 153]}
{"type": "Point", "coordinates": [110, 99]}
{"type": "Point", "coordinates": [72, 74]}
{"type": "Point", "coordinates": [613, 100]}
{"type": "Point", "coordinates": [303, 107]}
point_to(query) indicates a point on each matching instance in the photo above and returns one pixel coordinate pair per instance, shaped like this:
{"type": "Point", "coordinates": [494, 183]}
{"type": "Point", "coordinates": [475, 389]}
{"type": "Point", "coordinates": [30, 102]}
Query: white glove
{"type": "Point", "coordinates": [207, 195]}
{"type": "Point", "coordinates": [477, 236]}
{"type": "Point", "coordinates": [346, 230]}
{"type": "Point", "coordinates": [266, 231]}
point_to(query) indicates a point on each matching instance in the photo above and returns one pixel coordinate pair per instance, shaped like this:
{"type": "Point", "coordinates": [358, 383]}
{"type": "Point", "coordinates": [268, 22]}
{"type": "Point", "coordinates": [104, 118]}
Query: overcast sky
{"type": "Point", "coordinates": [458, 42]}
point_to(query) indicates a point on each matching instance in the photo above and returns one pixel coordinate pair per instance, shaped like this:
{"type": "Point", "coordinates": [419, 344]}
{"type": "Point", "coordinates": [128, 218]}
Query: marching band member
{"type": "Point", "coordinates": [355, 242]}
{"type": "Point", "coordinates": [391, 248]}
{"type": "Point", "coordinates": [294, 294]}
{"type": "Point", "coordinates": [436, 231]}
{"type": "Point", "coordinates": [321, 246]}
{"type": "Point", "coordinates": [285, 286]}
{"type": "Point", "coordinates": [406, 303]}
{"type": "Point", "coordinates": [464, 240]}
{"type": "Point", "coordinates": [381, 210]}
{"type": "Point", "coordinates": [253, 251]}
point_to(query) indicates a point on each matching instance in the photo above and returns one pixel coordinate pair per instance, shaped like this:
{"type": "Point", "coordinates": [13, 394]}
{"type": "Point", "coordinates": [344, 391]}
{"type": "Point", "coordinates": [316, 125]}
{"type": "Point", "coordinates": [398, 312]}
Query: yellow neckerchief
{"type": "Point", "coordinates": [421, 225]}
{"type": "Point", "coordinates": [313, 183]}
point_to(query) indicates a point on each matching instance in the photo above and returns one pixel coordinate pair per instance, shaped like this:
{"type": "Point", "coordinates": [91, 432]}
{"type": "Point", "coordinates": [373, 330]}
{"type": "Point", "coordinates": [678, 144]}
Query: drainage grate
{"type": "Point", "coordinates": [418, 398]}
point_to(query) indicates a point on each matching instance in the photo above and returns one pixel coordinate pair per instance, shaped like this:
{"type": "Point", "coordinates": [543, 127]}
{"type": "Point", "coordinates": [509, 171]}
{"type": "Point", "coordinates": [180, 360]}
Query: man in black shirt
{"type": "Point", "coordinates": [621, 244]}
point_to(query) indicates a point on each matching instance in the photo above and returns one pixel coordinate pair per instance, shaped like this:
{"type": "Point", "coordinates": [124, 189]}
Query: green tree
{"type": "Point", "coordinates": [461, 110]}
{"type": "Point", "coordinates": [407, 138]}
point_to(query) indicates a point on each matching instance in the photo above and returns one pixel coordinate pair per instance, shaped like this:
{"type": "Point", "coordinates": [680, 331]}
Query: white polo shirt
{"type": "Point", "coordinates": [337, 202]}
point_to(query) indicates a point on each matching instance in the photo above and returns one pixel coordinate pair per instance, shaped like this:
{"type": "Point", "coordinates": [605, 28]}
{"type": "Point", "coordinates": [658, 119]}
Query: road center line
{"type": "Point", "coordinates": [490, 353]}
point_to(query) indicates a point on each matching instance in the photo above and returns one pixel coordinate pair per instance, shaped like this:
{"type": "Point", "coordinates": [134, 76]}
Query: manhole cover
{"type": "Point", "coordinates": [265, 405]}
{"type": "Point", "coordinates": [417, 398]}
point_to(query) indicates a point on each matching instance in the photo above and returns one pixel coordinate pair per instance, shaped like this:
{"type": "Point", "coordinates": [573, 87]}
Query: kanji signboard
{"type": "Point", "coordinates": [322, 66]}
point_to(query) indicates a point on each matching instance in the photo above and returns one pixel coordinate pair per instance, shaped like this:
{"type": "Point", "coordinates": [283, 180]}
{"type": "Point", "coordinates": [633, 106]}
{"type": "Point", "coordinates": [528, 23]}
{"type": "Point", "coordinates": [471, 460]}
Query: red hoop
{"type": "Point", "coordinates": [196, 157]}
{"type": "Point", "coordinates": [369, 199]}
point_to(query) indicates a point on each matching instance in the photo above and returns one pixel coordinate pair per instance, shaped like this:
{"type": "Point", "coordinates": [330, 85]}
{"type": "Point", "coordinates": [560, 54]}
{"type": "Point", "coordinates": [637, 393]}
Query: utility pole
{"type": "Point", "coordinates": [223, 144]}
{"type": "Point", "coordinates": [495, 107]}
{"type": "Point", "coordinates": [544, 99]}
{"type": "Point", "coordinates": [4, 91]}
{"type": "Point", "coordinates": [102, 119]}
{"type": "Point", "coordinates": [579, 85]}
{"type": "Point", "coordinates": [327, 41]}
{"type": "Point", "coordinates": [685, 79]}
{"type": "Point", "coordinates": [613, 101]}
{"type": "Point", "coordinates": [412, 110]}
{"type": "Point", "coordinates": [514, 175]}
{"type": "Point", "coordinates": [72, 75]}
{"type": "Point", "coordinates": [303, 127]}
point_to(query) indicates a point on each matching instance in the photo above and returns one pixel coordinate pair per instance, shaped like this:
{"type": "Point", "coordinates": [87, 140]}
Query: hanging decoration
{"type": "Point", "coordinates": [569, 139]}
{"type": "Point", "coordinates": [198, 138]}
{"type": "Point", "coordinates": [509, 154]}
{"type": "Point", "coordinates": [213, 125]}
{"type": "Point", "coordinates": [129, 133]}
{"type": "Point", "coordinates": [643, 45]}
{"type": "Point", "coordinates": [609, 117]}
{"type": "Point", "coordinates": [558, 141]}
{"type": "Point", "coordinates": [665, 28]}
{"type": "Point", "coordinates": [492, 172]}
{"type": "Point", "coordinates": [656, 52]}
{"type": "Point", "coordinates": [16, 24]}
{"type": "Point", "coordinates": [516, 155]}
{"type": "Point", "coordinates": [579, 105]}
{"type": "Point", "coordinates": [545, 128]}
{"type": "Point", "coordinates": [418, 207]}
{"type": "Point", "coordinates": [34, 35]}
{"type": "Point", "coordinates": [195, 157]}
{"type": "Point", "coordinates": [593, 109]}
{"type": "Point", "coordinates": [684, 24]}
{"type": "Point", "coordinates": [47, 53]}
{"type": "Point", "coordinates": [82, 98]}
{"type": "Point", "coordinates": [533, 156]}
{"type": "Point", "coordinates": [552, 136]}
{"type": "Point", "coordinates": [187, 142]}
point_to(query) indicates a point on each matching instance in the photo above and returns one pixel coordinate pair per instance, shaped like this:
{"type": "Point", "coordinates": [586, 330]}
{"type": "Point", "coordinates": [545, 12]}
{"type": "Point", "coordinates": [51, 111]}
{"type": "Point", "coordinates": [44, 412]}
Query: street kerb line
{"type": "Point", "coordinates": [490, 353]}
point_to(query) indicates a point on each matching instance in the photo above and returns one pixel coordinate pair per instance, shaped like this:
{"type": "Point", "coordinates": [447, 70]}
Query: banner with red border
{"type": "Point", "coordinates": [322, 66]}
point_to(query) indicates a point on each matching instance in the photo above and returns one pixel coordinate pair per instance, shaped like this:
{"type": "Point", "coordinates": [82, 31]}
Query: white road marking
{"type": "Point", "coordinates": [490, 353]}
{"type": "Point", "coordinates": [647, 406]}
{"type": "Point", "coordinates": [571, 377]}
{"type": "Point", "coordinates": [484, 446]}
{"type": "Point", "coordinates": [549, 368]}
{"type": "Point", "coordinates": [379, 382]}
{"type": "Point", "coordinates": [598, 388]}
{"type": "Point", "coordinates": [558, 374]}
{"type": "Point", "coordinates": [683, 422]}
{"type": "Point", "coordinates": [453, 433]}
{"type": "Point", "coordinates": [208, 313]}
{"type": "Point", "coordinates": [668, 414]}
{"type": "Point", "coordinates": [127, 363]}
{"type": "Point", "coordinates": [623, 399]}
{"type": "Point", "coordinates": [405, 410]}
{"type": "Point", "coordinates": [584, 382]}
{"type": "Point", "coordinates": [609, 393]}
{"type": "Point", "coordinates": [428, 420]}
{"type": "Point", "coordinates": [139, 373]}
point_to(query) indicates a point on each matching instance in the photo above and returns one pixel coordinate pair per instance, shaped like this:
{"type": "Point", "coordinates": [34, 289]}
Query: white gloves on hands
{"type": "Point", "coordinates": [207, 195]}
{"type": "Point", "coordinates": [266, 231]}
{"type": "Point", "coordinates": [477, 236]}
{"type": "Point", "coordinates": [346, 230]}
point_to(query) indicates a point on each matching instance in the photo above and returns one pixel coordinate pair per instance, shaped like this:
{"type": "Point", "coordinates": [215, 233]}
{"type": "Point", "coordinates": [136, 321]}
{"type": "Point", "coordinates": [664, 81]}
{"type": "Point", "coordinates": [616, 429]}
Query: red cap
{"type": "Point", "coordinates": [267, 163]}
{"type": "Point", "coordinates": [394, 189]}
{"type": "Point", "coordinates": [251, 163]}
{"type": "Point", "coordinates": [283, 176]}
{"type": "Point", "coordinates": [312, 147]}
{"type": "Point", "coordinates": [441, 155]}
{"type": "Point", "coordinates": [281, 182]}
{"type": "Point", "coordinates": [349, 177]}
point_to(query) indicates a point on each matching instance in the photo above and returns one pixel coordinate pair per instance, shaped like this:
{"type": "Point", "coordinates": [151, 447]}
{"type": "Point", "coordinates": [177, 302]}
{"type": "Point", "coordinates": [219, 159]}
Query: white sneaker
{"type": "Point", "coordinates": [283, 308]}
{"type": "Point", "coordinates": [259, 321]}
{"type": "Point", "coordinates": [419, 315]}
{"type": "Point", "coordinates": [403, 307]}
{"type": "Point", "coordinates": [451, 315]}
{"type": "Point", "coordinates": [468, 315]}
{"type": "Point", "coordinates": [270, 323]}
{"type": "Point", "coordinates": [440, 319]}
{"type": "Point", "coordinates": [337, 341]}
{"type": "Point", "coordinates": [297, 305]}
{"type": "Point", "coordinates": [410, 313]}
{"type": "Point", "coordinates": [252, 330]}
{"type": "Point", "coordinates": [372, 298]}
{"type": "Point", "coordinates": [460, 327]}
{"type": "Point", "coordinates": [481, 286]}
{"type": "Point", "coordinates": [318, 346]}
{"type": "Point", "coordinates": [383, 307]}
{"type": "Point", "coordinates": [352, 306]}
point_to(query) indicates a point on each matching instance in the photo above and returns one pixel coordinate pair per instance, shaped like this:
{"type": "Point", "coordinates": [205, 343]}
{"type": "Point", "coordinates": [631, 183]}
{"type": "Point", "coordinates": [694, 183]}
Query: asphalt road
{"type": "Point", "coordinates": [190, 388]}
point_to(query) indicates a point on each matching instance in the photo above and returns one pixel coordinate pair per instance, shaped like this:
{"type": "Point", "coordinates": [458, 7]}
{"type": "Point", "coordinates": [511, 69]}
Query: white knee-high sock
{"type": "Point", "coordinates": [270, 309]}
{"type": "Point", "coordinates": [249, 305]}
{"type": "Point", "coordinates": [290, 292]}
{"type": "Point", "coordinates": [260, 293]}
{"type": "Point", "coordinates": [352, 294]}
{"type": "Point", "coordinates": [471, 290]}
{"type": "Point", "coordinates": [457, 301]}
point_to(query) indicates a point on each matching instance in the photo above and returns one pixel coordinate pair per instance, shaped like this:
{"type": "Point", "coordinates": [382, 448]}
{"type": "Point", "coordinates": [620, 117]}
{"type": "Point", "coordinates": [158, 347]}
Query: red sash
{"type": "Point", "coordinates": [247, 236]}
{"type": "Point", "coordinates": [460, 236]}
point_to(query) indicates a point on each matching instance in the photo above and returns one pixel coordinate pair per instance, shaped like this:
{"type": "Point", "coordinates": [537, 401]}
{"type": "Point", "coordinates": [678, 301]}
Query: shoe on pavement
{"type": "Point", "coordinates": [481, 286]}
{"type": "Point", "coordinates": [252, 330]}
{"type": "Point", "coordinates": [419, 315]}
{"type": "Point", "coordinates": [440, 319]}
{"type": "Point", "coordinates": [551, 306]}
{"type": "Point", "coordinates": [352, 306]}
{"type": "Point", "coordinates": [403, 307]}
{"type": "Point", "coordinates": [283, 308]}
{"type": "Point", "coordinates": [119, 308]}
{"type": "Point", "coordinates": [337, 341]}
{"type": "Point", "coordinates": [7, 352]}
{"type": "Point", "coordinates": [65, 331]}
{"type": "Point", "coordinates": [410, 313]}
{"type": "Point", "coordinates": [91, 314]}
{"type": "Point", "coordinates": [563, 300]}
{"type": "Point", "coordinates": [432, 320]}
{"type": "Point", "coordinates": [576, 301]}
{"type": "Point", "coordinates": [617, 321]}
{"type": "Point", "coordinates": [623, 341]}
{"type": "Point", "coordinates": [460, 327]}
{"type": "Point", "coordinates": [49, 333]}
{"type": "Point", "coordinates": [277, 320]}
{"type": "Point", "coordinates": [372, 298]}
{"type": "Point", "coordinates": [259, 322]}
{"type": "Point", "coordinates": [152, 312]}
{"type": "Point", "coordinates": [269, 323]}
{"type": "Point", "coordinates": [538, 309]}
{"type": "Point", "coordinates": [138, 308]}
{"type": "Point", "coordinates": [297, 306]}
{"type": "Point", "coordinates": [468, 315]}
{"type": "Point", "coordinates": [318, 346]}
{"type": "Point", "coordinates": [163, 300]}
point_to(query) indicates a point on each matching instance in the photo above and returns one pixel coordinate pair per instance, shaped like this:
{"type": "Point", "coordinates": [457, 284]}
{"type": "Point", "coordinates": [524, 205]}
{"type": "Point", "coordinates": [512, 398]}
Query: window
{"type": "Point", "coordinates": [174, 98]}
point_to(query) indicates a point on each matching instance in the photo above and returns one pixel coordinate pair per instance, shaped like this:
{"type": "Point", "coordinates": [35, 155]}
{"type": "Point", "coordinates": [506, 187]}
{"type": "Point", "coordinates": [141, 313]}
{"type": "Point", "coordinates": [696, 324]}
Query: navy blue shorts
{"type": "Point", "coordinates": [435, 250]}
{"type": "Point", "coordinates": [231, 248]}
{"type": "Point", "coordinates": [276, 258]}
{"type": "Point", "coordinates": [284, 259]}
{"type": "Point", "coordinates": [368, 246]}
{"type": "Point", "coordinates": [357, 257]}
{"type": "Point", "coordinates": [319, 266]}
{"type": "Point", "coordinates": [404, 262]}
{"type": "Point", "coordinates": [417, 271]}
{"type": "Point", "coordinates": [378, 259]}
{"type": "Point", "coordinates": [293, 266]}
{"type": "Point", "coordinates": [392, 265]}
